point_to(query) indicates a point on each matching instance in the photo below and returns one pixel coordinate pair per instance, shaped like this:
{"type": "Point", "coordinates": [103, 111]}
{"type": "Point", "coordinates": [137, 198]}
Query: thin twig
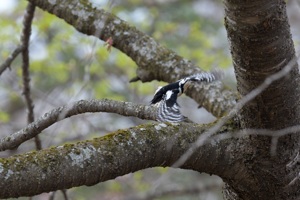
{"type": "Point", "coordinates": [25, 37]}
{"type": "Point", "coordinates": [10, 59]}
{"type": "Point", "coordinates": [79, 107]}
{"type": "Point", "coordinates": [64, 192]}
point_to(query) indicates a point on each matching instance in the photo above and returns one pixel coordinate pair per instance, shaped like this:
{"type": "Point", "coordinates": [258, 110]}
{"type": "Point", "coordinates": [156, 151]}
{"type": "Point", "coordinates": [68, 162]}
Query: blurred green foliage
{"type": "Point", "coordinates": [4, 117]}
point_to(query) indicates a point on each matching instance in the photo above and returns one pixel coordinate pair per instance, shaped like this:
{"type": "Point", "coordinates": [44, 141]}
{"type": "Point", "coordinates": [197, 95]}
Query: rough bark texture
{"type": "Point", "coordinates": [260, 39]}
{"type": "Point", "coordinates": [154, 61]}
{"type": "Point", "coordinates": [93, 161]}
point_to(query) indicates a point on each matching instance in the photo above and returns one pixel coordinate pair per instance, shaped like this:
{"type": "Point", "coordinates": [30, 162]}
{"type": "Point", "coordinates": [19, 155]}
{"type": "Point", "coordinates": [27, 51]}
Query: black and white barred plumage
{"type": "Point", "coordinates": [166, 96]}
{"type": "Point", "coordinates": [168, 110]}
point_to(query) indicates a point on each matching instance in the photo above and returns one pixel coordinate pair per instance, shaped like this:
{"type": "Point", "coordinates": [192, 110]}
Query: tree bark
{"type": "Point", "coordinates": [124, 151]}
{"type": "Point", "coordinates": [261, 45]}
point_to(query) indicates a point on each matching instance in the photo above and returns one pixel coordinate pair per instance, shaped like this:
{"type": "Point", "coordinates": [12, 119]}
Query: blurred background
{"type": "Point", "coordinates": [67, 66]}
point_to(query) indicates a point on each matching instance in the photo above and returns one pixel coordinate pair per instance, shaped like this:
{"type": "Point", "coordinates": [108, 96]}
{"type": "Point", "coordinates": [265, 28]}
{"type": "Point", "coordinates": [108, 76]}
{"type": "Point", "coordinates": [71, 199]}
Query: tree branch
{"type": "Point", "coordinates": [79, 107]}
{"type": "Point", "coordinates": [25, 59]}
{"type": "Point", "coordinates": [154, 61]}
{"type": "Point", "coordinates": [6, 64]}
{"type": "Point", "coordinates": [25, 37]}
{"type": "Point", "coordinates": [124, 151]}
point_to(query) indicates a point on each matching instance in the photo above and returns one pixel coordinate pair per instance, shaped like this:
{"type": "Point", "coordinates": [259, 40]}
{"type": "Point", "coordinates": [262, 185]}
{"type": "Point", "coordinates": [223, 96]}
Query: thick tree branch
{"type": "Point", "coordinates": [83, 106]}
{"type": "Point", "coordinates": [154, 61]}
{"type": "Point", "coordinates": [124, 151]}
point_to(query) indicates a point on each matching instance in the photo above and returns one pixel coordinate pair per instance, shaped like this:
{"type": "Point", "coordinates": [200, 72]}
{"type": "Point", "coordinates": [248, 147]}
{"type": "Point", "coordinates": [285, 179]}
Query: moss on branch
{"type": "Point", "coordinates": [92, 161]}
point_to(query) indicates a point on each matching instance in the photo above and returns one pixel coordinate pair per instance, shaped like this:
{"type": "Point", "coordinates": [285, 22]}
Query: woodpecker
{"type": "Point", "coordinates": [166, 97]}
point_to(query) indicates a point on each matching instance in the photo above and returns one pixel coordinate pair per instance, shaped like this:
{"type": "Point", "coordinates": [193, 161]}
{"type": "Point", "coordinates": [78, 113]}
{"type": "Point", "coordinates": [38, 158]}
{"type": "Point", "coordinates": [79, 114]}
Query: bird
{"type": "Point", "coordinates": [166, 97]}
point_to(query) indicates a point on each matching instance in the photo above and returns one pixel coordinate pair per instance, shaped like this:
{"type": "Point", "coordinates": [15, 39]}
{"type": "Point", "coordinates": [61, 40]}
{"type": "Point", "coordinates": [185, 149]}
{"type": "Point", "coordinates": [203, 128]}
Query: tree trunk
{"type": "Point", "coordinates": [261, 45]}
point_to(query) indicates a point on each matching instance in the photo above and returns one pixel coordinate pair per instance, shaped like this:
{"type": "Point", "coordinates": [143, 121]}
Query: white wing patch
{"type": "Point", "coordinates": [168, 94]}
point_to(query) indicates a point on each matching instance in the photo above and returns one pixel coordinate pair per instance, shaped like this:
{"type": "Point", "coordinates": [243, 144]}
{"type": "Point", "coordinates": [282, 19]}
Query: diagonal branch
{"type": "Point", "coordinates": [154, 61]}
{"type": "Point", "coordinates": [124, 151]}
{"type": "Point", "coordinates": [6, 64]}
{"type": "Point", "coordinates": [79, 107]}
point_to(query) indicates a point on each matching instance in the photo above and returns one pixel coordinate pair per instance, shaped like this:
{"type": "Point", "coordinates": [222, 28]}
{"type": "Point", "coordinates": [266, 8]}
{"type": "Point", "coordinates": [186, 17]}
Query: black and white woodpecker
{"type": "Point", "coordinates": [166, 97]}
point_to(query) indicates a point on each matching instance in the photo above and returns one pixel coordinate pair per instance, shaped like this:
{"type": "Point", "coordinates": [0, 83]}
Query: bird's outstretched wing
{"type": "Point", "coordinates": [168, 110]}
{"type": "Point", "coordinates": [179, 85]}
{"type": "Point", "coordinates": [201, 77]}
